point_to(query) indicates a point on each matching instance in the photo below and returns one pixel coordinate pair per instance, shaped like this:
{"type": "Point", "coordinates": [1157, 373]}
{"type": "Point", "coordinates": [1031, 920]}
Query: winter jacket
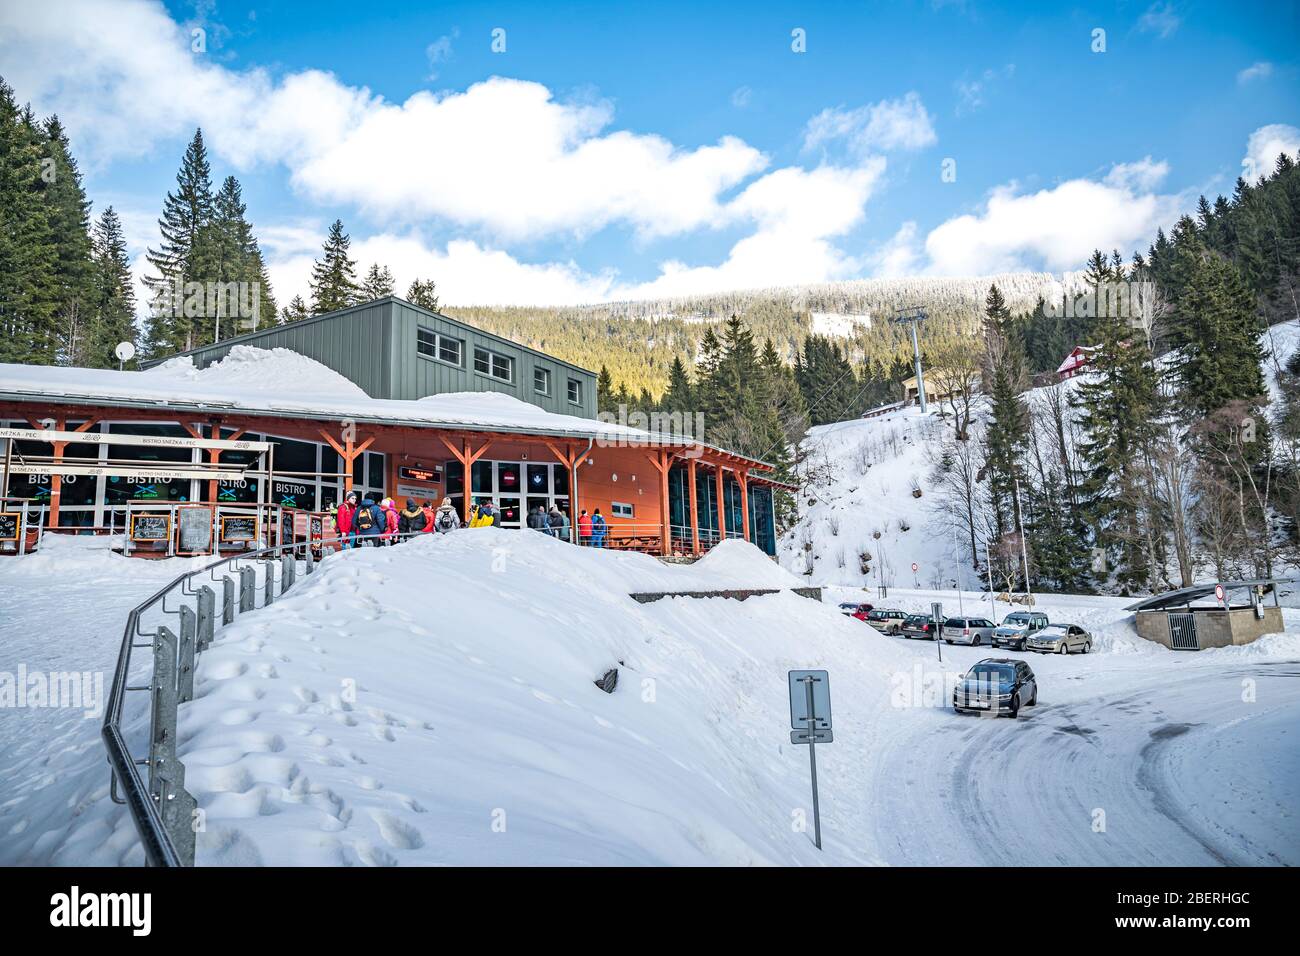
{"type": "Point", "coordinates": [409, 520]}
{"type": "Point", "coordinates": [446, 520]}
{"type": "Point", "coordinates": [537, 521]}
{"type": "Point", "coordinates": [558, 522]}
{"type": "Point", "coordinates": [584, 526]}
{"type": "Point", "coordinates": [390, 519]}
{"type": "Point", "coordinates": [378, 521]}
{"type": "Point", "coordinates": [430, 515]}
{"type": "Point", "coordinates": [481, 518]}
{"type": "Point", "coordinates": [343, 518]}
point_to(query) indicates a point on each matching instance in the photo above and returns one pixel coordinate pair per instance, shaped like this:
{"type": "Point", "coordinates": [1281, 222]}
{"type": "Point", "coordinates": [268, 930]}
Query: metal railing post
{"type": "Point", "coordinates": [268, 585]}
{"type": "Point", "coordinates": [185, 656]}
{"type": "Point", "coordinates": [166, 775]}
{"type": "Point", "coordinates": [247, 589]}
{"type": "Point", "coordinates": [288, 571]}
{"type": "Point", "coordinates": [227, 600]}
{"type": "Point", "coordinates": [207, 606]}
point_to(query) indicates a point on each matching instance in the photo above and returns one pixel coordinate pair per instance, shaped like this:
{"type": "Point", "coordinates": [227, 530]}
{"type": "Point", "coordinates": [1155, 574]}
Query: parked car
{"type": "Point", "coordinates": [1017, 627]}
{"type": "Point", "coordinates": [1061, 639]}
{"type": "Point", "coordinates": [889, 620]}
{"type": "Point", "coordinates": [854, 609]}
{"type": "Point", "coordinates": [967, 630]}
{"type": "Point", "coordinates": [996, 685]}
{"type": "Point", "coordinates": [919, 625]}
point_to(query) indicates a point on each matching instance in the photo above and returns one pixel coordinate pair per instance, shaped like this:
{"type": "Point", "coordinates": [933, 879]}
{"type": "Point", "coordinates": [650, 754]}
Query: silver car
{"type": "Point", "coordinates": [1017, 627]}
{"type": "Point", "coordinates": [967, 630]}
{"type": "Point", "coordinates": [1060, 639]}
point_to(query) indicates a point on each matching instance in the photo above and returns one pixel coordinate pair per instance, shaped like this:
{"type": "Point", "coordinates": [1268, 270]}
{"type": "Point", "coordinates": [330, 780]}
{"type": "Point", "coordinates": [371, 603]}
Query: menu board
{"type": "Point", "coordinates": [151, 527]}
{"type": "Point", "coordinates": [317, 529]}
{"type": "Point", "coordinates": [194, 529]}
{"type": "Point", "coordinates": [9, 523]}
{"type": "Point", "coordinates": [239, 527]}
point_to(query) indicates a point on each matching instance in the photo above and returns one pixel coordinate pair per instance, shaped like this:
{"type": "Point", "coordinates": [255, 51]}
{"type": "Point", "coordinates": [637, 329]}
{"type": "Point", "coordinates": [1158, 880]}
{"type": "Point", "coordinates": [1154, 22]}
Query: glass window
{"type": "Point", "coordinates": [575, 391]}
{"type": "Point", "coordinates": [561, 480]}
{"type": "Point", "coordinates": [542, 381]}
{"type": "Point", "coordinates": [539, 479]}
{"type": "Point", "coordinates": [449, 350]}
{"type": "Point", "coordinates": [119, 489]}
{"type": "Point", "coordinates": [481, 478]}
{"type": "Point", "coordinates": [621, 509]}
{"type": "Point", "coordinates": [426, 342]}
{"type": "Point", "coordinates": [455, 476]}
{"type": "Point", "coordinates": [494, 364]}
{"type": "Point", "coordinates": [508, 477]}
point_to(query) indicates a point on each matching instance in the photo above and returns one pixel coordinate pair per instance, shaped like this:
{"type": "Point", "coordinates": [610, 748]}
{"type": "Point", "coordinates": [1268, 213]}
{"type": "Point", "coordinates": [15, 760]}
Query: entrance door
{"type": "Point", "coordinates": [1182, 632]}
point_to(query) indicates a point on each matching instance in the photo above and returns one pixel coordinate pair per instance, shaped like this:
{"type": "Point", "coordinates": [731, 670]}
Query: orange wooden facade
{"type": "Point", "coordinates": [635, 474]}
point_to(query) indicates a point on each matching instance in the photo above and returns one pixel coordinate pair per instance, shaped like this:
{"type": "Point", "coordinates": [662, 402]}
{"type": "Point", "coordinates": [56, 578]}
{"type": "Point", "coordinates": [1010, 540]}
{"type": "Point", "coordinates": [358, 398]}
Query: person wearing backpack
{"type": "Point", "coordinates": [368, 523]}
{"type": "Point", "coordinates": [599, 529]}
{"type": "Point", "coordinates": [410, 519]}
{"type": "Point", "coordinates": [343, 520]}
{"type": "Point", "coordinates": [447, 519]}
{"type": "Point", "coordinates": [558, 522]}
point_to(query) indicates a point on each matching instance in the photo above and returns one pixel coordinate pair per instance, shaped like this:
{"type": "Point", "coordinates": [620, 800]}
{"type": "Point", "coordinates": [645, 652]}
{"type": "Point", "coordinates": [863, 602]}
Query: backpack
{"type": "Point", "coordinates": [365, 518]}
{"type": "Point", "coordinates": [598, 523]}
{"type": "Point", "coordinates": [555, 520]}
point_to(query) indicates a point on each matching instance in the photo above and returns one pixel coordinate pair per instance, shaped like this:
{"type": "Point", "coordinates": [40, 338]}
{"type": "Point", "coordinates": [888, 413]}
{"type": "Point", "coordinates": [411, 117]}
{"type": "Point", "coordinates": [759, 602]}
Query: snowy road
{"type": "Point", "coordinates": [1117, 765]}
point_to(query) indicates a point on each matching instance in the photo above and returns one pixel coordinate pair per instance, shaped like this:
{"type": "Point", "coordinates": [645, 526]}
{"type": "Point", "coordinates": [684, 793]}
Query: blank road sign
{"type": "Point", "coordinates": [821, 685]}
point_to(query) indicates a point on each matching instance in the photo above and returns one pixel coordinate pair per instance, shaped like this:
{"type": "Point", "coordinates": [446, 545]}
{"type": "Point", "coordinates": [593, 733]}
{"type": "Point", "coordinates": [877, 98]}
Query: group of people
{"type": "Point", "coordinates": [367, 522]}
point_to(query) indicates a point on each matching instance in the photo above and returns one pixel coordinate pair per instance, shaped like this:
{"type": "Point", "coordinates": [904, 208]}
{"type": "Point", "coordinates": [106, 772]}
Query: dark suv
{"type": "Point", "coordinates": [997, 685]}
{"type": "Point", "coordinates": [919, 625]}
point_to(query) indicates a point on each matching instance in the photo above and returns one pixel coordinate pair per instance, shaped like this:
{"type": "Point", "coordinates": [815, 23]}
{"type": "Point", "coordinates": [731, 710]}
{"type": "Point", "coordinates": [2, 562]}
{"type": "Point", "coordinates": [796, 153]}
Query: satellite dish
{"type": "Point", "coordinates": [125, 351]}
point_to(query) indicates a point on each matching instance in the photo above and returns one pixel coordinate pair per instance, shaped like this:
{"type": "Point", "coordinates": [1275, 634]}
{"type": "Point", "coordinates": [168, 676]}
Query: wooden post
{"type": "Point", "coordinates": [466, 456]}
{"type": "Point", "coordinates": [56, 479]}
{"type": "Point", "coordinates": [695, 524]}
{"type": "Point", "coordinates": [742, 475]}
{"type": "Point", "coordinates": [662, 462]}
{"type": "Point", "coordinates": [569, 459]}
{"type": "Point", "coordinates": [722, 506]}
{"type": "Point", "coordinates": [349, 452]}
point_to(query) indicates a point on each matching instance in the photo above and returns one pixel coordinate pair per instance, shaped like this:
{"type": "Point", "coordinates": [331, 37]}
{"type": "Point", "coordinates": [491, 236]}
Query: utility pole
{"type": "Point", "coordinates": [913, 316]}
{"type": "Point", "coordinates": [1024, 552]}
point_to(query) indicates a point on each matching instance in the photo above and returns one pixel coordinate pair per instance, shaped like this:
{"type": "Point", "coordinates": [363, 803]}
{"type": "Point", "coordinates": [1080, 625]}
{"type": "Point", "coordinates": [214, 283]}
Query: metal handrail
{"type": "Point", "coordinates": [159, 848]}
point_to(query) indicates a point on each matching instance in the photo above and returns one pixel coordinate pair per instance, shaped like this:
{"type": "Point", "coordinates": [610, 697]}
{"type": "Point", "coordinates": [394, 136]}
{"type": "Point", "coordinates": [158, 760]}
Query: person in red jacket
{"type": "Point", "coordinates": [430, 514]}
{"type": "Point", "coordinates": [584, 528]}
{"type": "Point", "coordinates": [389, 535]}
{"type": "Point", "coordinates": [343, 519]}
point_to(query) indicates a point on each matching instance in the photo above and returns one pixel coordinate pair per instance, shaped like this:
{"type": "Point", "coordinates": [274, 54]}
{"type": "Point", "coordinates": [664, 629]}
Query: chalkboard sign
{"type": "Point", "coordinates": [194, 530]}
{"type": "Point", "coordinates": [286, 527]}
{"type": "Point", "coordinates": [9, 522]}
{"type": "Point", "coordinates": [151, 527]}
{"type": "Point", "coordinates": [239, 527]}
{"type": "Point", "coordinates": [317, 527]}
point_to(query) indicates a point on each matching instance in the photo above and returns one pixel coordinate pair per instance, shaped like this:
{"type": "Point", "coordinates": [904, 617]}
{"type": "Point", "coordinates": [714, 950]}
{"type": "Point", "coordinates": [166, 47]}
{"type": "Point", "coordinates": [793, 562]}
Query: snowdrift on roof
{"type": "Point", "coordinates": [248, 368]}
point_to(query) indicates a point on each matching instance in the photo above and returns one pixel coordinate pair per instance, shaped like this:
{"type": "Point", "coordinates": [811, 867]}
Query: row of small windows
{"type": "Point", "coordinates": [487, 362]}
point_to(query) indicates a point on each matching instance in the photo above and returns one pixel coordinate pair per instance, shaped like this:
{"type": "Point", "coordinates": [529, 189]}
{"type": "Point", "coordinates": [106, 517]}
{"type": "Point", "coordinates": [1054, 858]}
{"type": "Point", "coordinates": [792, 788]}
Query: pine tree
{"type": "Point", "coordinates": [679, 396]}
{"type": "Point", "coordinates": [29, 286]}
{"type": "Point", "coordinates": [334, 276]}
{"type": "Point", "coordinates": [69, 215]}
{"type": "Point", "coordinates": [236, 259]}
{"type": "Point", "coordinates": [378, 283]}
{"type": "Point", "coordinates": [1008, 431]}
{"type": "Point", "coordinates": [424, 293]}
{"type": "Point", "coordinates": [184, 255]}
{"type": "Point", "coordinates": [294, 311]}
{"type": "Point", "coordinates": [605, 399]}
{"type": "Point", "coordinates": [113, 294]}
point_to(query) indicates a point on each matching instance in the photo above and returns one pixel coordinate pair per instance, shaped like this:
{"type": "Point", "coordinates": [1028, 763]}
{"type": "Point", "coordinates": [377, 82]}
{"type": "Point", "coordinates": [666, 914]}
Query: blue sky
{"type": "Point", "coordinates": [658, 149]}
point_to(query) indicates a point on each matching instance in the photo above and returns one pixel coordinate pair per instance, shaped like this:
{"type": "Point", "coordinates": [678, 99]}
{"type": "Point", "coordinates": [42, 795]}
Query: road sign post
{"type": "Point", "coordinates": [916, 583]}
{"type": "Point", "coordinates": [810, 718]}
{"type": "Point", "coordinates": [936, 615]}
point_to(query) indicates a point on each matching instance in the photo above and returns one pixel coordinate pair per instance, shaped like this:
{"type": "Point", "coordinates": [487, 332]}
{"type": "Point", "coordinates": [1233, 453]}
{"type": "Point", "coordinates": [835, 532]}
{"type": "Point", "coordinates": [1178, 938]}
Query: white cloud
{"type": "Point", "coordinates": [1160, 19]}
{"type": "Point", "coordinates": [503, 155]}
{"type": "Point", "coordinates": [1055, 228]}
{"type": "Point", "coordinates": [971, 93]}
{"type": "Point", "coordinates": [1256, 71]}
{"type": "Point", "coordinates": [1265, 145]}
{"type": "Point", "coordinates": [903, 123]}
{"type": "Point", "coordinates": [741, 97]}
{"type": "Point", "coordinates": [897, 257]}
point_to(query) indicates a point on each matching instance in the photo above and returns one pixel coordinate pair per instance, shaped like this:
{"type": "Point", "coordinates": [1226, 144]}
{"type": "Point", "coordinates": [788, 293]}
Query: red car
{"type": "Point", "coordinates": [852, 609]}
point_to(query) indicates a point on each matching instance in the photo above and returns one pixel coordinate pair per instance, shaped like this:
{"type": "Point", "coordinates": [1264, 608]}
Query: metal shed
{"type": "Point", "coordinates": [395, 350]}
{"type": "Point", "coordinates": [1176, 619]}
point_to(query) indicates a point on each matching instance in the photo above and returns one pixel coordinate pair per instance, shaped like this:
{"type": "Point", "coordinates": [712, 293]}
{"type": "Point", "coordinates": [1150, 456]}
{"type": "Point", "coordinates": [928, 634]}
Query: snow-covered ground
{"type": "Point", "coordinates": [434, 703]}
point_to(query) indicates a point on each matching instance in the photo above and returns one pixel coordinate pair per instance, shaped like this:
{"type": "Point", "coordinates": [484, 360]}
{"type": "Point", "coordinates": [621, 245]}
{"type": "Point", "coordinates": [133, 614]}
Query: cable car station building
{"type": "Point", "coordinates": [254, 438]}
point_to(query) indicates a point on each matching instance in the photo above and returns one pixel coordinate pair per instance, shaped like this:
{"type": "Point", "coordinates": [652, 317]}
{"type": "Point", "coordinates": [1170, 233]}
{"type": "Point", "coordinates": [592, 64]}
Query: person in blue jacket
{"type": "Point", "coordinates": [599, 529]}
{"type": "Point", "coordinates": [369, 523]}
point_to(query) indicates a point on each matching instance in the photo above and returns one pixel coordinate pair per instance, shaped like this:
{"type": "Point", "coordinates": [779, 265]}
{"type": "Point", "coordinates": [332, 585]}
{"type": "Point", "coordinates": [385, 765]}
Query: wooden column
{"type": "Point", "coordinates": [722, 506]}
{"type": "Point", "coordinates": [662, 463]}
{"type": "Point", "coordinates": [570, 458]}
{"type": "Point", "coordinates": [695, 523]}
{"type": "Point", "coordinates": [742, 475]}
{"type": "Point", "coordinates": [466, 455]}
{"type": "Point", "coordinates": [56, 479]}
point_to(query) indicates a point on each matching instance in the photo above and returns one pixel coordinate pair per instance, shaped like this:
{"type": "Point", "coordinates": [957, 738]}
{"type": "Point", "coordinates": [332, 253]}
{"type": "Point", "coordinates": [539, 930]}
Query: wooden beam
{"type": "Point", "coordinates": [742, 476]}
{"type": "Point", "coordinates": [663, 503]}
{"type": "Point", "coordinates": [695, 524]}
{"type": "Point", "coordinates": [722, 504]}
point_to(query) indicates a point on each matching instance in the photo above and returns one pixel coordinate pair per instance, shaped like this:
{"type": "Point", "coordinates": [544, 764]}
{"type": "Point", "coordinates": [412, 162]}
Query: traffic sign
{"type": "Point", "coordinates": [820, 699]}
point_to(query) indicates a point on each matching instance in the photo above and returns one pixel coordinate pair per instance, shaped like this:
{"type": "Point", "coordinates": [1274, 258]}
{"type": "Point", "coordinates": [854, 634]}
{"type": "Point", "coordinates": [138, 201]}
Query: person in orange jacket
{"type": "Point", "coordinates": [584, 528]}
{"type": "Point", "coordinates": [430, 514]}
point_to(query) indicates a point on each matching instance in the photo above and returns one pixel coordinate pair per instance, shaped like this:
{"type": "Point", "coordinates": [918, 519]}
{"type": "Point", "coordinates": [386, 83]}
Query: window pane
{"type": "Point", "coordinates": [481, 478]}
{"type": "Point", "coordinates": [501, 367]}
{"type": "Point", "coordinates": [449, 350]}
{"type": "Point", "coordinates": [481, 361]}
{"type": "Point", "coordinates": [539, 479]}
{"type": "Point", "coordinates": [508, 477]}
{"type": "Point", "coordinates": [425, 341]}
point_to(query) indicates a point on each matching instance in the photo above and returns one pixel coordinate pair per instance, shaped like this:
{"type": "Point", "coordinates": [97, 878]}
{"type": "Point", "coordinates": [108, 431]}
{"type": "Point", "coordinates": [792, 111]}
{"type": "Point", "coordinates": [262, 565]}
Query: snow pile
{"type": "Point", "coordinates": [838, 325]}
{"type": "Point", "coordinates": [247, 368]}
